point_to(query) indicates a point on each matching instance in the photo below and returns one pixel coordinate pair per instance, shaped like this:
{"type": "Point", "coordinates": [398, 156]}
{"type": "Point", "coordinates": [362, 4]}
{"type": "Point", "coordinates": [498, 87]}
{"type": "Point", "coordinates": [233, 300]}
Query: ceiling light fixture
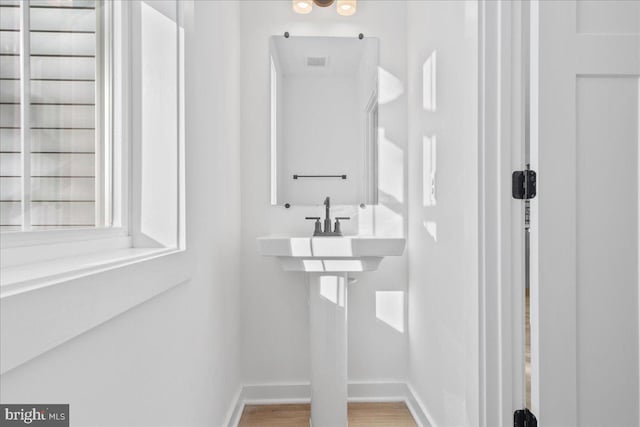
{"type": "Point", "coordinates": [343, 7]}
{"type": "Point", "coordinates": [302, 6]}
{"type": "Point", "coordinates": [346, 7]}
{"type": "Point", "coordinates": [323, 3]}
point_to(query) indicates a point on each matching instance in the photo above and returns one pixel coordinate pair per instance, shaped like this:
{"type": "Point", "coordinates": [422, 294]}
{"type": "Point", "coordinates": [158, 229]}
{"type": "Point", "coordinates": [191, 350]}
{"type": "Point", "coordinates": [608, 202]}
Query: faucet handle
{"type": "Point", "coordinates": [317, 226]}
{"type": "Point", "coordinates": [336, 228]}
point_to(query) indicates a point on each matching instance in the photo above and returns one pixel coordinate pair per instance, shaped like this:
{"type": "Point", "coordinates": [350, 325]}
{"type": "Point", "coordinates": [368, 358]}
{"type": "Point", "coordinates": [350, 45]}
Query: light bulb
{"type": "Point", "coordinates": [346, 7]}
{"type": "Point", "coordinates": [302, 6]}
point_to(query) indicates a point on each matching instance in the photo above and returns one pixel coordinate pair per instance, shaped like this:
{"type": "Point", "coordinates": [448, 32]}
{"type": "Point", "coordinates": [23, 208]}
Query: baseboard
{"type": "Point", "coordinates": [235, 410]}
{"type": "Point", "coordinates": [273, 394]}
{"type": "Point", "coordinates": [418, 409]}
{"type": "Point", "coordinates": [376, 392]}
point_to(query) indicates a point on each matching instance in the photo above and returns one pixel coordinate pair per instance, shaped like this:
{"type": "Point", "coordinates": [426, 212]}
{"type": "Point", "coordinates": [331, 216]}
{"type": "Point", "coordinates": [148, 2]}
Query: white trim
{"type": "Point", "coordinates": [638, 302]}
{"type": "Point", "coordinates": [275, 393]}
{"type": "Point", "coordinates": [235, 409]}
{"type": "Point", "coordinates": [418, 409]}
{"type": "Point", "coordinates": [107, 134]}
{"type": "Point", "coordinates": [75, 305]}
{"type": "Point", "coordinates": [181, 229]}
{"type": "Point", "coordinates": [34, 255]}
{"type": "Point", "coordinates": [512, 148]}
{"type": "Point", "coordinates": [534, 116]}
{"type": "Point", "coordinates": [30, 277]}
{"type": "Point", "coordinates": [372, 391]}
{"type": "Point", "coordinates": [501, 226]}
{"type": "Point", "coordinates": [20, 239]}
{"type": "Point", "coordinates": [101, 125]}
{"type": "Point", "coordinates": [25, 113]}
{"type": "Point", "coordinates": [120, 115]}
{"type": "Point", "coordinates": [285, 393]}
{"type": "Point", "coordinates": [482, 338]}
{"type": "Point", "coordinates": [104, 101]}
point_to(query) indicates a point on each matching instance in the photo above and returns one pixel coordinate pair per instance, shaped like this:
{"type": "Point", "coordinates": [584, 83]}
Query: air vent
{"type": "Point", "coordinates": [317, 61]}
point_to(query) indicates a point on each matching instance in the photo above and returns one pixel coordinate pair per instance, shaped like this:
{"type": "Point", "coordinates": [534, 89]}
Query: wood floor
{"type": "Point", "coordinates": [388, 414]}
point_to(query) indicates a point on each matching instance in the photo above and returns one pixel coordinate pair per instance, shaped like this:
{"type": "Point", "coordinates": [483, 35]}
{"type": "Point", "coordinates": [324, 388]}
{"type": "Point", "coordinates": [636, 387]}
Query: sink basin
{"type": "Point", "coordinates": [331, 254]}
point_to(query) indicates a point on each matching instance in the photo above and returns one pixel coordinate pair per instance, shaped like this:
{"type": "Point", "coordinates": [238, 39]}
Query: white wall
{"type": "Point", "coordinates": [175, 359]}
{"type": "Point", "coordinates": [275, 328]}
{"type": "Point", "coordinates": [443, 239]}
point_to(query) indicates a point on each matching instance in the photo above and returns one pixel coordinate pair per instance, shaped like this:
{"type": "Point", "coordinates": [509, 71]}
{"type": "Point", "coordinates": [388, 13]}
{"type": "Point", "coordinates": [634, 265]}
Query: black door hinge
{"type": "Point", "coordinates": [523, 184]}
{"type": "Point", "coordinates": [524, 418]}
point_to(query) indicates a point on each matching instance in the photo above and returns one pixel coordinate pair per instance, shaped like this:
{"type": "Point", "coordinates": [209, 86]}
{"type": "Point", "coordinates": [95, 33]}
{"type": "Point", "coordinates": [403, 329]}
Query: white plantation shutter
{"type": "Point", "coordinates": [64, 118]}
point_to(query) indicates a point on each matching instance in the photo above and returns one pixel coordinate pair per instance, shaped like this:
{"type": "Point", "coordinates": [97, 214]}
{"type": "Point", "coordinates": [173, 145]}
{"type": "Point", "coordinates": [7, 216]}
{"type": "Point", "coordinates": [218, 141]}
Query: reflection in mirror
{"type": "Point", "coordinates": [324, 120]}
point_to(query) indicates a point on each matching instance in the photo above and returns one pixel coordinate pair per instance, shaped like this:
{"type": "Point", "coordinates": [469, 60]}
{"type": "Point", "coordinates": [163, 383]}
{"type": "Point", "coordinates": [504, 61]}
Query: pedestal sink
{"type": "Point", "coordinates": [327, 262]}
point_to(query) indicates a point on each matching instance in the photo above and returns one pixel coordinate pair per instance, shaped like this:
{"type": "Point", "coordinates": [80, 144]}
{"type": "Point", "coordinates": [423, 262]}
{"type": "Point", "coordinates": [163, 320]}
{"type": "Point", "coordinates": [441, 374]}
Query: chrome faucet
{"type": "Point", "coordinates": [318, 231]}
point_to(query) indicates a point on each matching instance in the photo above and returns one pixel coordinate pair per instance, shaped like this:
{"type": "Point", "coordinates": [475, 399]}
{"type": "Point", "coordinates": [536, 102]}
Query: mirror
{"type": "Point", "coordinates": [324, 120]}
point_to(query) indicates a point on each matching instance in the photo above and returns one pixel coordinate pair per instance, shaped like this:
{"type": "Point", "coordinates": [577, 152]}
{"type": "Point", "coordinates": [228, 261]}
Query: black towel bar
{"type": "Point", "coordinates": [319, 176]}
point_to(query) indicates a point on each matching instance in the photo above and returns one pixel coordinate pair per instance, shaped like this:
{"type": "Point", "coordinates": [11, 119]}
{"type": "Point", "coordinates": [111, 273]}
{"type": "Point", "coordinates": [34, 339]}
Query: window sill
{"type": "Point", "coordinates": [27, 277]}
{"type": "Point", "coordinates": [45, 304]}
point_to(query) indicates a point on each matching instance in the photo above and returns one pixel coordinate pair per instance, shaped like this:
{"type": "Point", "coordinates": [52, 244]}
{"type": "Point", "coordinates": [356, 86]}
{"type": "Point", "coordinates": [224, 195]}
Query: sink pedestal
{"type": "Point", "coordinates": [328, 338]}
{"type": "Point", "coordinates": [327, 262]}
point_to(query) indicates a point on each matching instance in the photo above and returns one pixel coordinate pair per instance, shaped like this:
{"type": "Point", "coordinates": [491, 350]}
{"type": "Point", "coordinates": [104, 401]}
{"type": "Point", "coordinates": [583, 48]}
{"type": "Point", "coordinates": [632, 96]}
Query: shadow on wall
{"type": "Point", "coordinates": [390, 308]}
{"type": "Point", "coordinates": [332, 289]}
{"type": "Point", "coordinates": [390, 305]}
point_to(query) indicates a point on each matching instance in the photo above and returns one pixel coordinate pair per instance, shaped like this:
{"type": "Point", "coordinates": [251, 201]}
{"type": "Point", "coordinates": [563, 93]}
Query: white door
{"type": "Point", "coordinates": [585, 138]}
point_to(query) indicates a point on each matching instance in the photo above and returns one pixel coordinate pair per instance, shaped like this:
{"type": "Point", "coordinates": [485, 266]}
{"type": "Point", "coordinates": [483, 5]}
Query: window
{"type": "Point", "coordinates": [92, 136]}
{"type": "Point", "coordinates": [103, 145]}
{"type": "Point", "coordinates": [55, 115]}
